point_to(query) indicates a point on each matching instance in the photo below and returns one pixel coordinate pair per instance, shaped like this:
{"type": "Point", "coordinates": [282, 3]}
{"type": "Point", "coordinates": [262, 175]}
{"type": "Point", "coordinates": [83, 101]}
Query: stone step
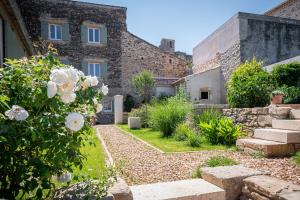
{"type": "Point", "coordinates": [229, 178]}
{"type": "Point", "coordinates": [180, 190]}
{"type": "Point", "coordinates": [295, 113]}
{"type": "Point", "coordinates": [266, 147]}
{"type": "Point", "coordinates": [267, 187]}
{"type": "Point", "coordinates": [277, 135]}
{"type": "Point", "coordinates": [286, 124]}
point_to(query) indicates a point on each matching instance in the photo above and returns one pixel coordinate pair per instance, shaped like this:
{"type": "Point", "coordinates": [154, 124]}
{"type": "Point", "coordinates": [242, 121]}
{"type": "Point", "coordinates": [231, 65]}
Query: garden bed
{"type": "Point", "coordinates": [138, 163]}
{"type": "Point", "coordinates": [167, 144]}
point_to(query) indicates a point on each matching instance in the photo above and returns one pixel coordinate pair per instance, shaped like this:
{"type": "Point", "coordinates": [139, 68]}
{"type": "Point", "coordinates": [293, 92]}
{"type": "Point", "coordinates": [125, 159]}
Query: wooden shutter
{"type": "Point", "coordinates": [65, 32]}
{"type": "Point", "coordinates": [104, 70]}
{"type": "Point", "coordinates": [84, 34]}
{"type": "Point", "coordinates": [85, 67]}
{"type": "Point", "coordinates": [44, 30]}
{"type": "Point", "coordinates": [103, 35]}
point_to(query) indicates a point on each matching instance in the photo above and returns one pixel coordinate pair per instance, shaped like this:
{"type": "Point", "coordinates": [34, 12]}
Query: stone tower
{"type": "Point", "coordinates": [167, 45]}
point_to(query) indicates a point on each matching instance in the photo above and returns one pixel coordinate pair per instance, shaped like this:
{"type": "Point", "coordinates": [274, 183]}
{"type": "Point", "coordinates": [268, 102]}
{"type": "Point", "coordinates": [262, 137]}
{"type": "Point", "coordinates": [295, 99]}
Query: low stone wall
{"type": "Point", "coordinates": [252, 118]}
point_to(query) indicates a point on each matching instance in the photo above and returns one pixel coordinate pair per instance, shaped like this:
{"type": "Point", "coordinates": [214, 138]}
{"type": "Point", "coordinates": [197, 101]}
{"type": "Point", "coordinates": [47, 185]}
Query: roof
{"type": "Point", "coordinates": [280, 6]}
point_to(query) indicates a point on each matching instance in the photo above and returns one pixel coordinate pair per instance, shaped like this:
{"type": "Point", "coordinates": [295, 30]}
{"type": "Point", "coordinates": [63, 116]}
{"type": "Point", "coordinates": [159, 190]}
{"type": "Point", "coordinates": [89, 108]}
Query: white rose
{"type": "Point", "coordinates": [104, 89]}
{"type": "Point", "coordinates": [99, 107]}
{"type": "Point", "coordinates": [51, 89]}
{"type": "Point", "coordinates": [68, 97]}
{"type": "Point", "coordinates": [65, 177]}
{"type": "Point", "coordinates": [80, 74]}
{"type": "Point", "coordinates": [94, 81]}
{"type": "Point", "coordinates": [17, 112]}
{"type": "Point", "coordinates": [59, 76]}
{"type": "Point", "coordinates": [72, 74]}
{"type": "Point", "coordinates": [67, 87]}
{"type": "Point", "coordinates": [74, 121]}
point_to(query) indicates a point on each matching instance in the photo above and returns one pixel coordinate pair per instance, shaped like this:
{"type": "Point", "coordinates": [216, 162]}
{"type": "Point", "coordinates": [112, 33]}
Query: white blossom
{"type": "Point", "coordinates": [17, 112]}
{"type": "Point", "coordinates": [68, 97]}
{"type": "Point", "coordinates": [65, 177]}
{"type": "Point", "coordinates": [104, 89]}
{"type": "Point", "coordinates": [67, 87]}
{"type": "Point", "coordinates": [99, 107]}
{"type": "Point", "coordinates": [89, 82]}
{"type": "Point", "coordinates": [74, 121]}
{"type": "Point", "coordinates": [51, 89]}
{"type": "Point", "coordinates": [72, 74]}
{"type": "Point", "coordinates": [94, 81]}
{"type": "Point", "coordinates": [59, 76]}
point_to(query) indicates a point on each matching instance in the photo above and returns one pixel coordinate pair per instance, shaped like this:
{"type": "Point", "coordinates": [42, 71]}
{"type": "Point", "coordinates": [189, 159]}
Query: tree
{"type": "Point", "coordinates": [144, 83]}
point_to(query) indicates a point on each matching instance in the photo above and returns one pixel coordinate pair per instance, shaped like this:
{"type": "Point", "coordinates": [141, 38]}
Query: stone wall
{"type": "Point", "coordinates": [252, 118]}
{"type": "Point", "coordinates": [75, 14]}
{"type": "Point", "coordinates": [288, 9]}
{"type": "Point", "coordinates": [138, 55]}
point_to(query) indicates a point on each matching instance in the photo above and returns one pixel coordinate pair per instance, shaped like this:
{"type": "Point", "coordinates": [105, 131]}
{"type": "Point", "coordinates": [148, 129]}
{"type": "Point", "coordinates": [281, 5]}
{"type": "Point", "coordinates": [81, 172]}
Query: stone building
{"type": "Point", "coordinates": [244, 36]}
{"type": "Point", "coordinates": [287, 9]}
{"type": "Point", "coordinates": [94, 38]}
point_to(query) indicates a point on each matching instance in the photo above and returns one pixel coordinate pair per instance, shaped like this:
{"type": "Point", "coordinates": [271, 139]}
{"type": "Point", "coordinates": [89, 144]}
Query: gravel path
{"type": "Point", "coordinates": [141, 164]}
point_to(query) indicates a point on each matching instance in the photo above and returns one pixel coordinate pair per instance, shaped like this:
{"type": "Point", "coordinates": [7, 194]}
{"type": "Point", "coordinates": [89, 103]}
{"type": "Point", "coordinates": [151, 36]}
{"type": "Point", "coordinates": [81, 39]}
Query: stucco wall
{"type": "Point", "coordinates": [139, 55]}
{"type": "Point", "coordinates": [210, 80]}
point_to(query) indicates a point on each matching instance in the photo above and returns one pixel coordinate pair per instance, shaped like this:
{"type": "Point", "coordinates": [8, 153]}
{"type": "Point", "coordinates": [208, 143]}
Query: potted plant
{"type": "Point", "coordinates": [277, 97]}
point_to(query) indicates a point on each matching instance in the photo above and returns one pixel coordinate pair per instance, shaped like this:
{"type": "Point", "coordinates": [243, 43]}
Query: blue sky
{"type": "Point", "coordinates": [186, 21]}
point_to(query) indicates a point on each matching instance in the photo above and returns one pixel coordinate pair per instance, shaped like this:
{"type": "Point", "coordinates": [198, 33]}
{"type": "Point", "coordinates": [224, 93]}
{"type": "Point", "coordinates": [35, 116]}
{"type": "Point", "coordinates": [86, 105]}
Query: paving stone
{"type": "Point", "coordinates": [286, 124]}
{"type": "Point", "coordinates": [268, 148]}
{"type": "Point", "coordinates": [229, 178]}
{"type": "Point", "coordinates": [192, 189]}
{"type": "Point", "coordinates": [277, 135]}
{"type": "Point", "coordinates": [279, 112]}
{"type": "Point", "coordinates": [121, 190]}
{"type": "Point", "coordinates": [272, 188]}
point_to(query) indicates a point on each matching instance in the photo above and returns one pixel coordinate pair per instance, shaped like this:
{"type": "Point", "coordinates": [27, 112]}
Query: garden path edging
{"type": "Point", "coordinates": [110, 161]}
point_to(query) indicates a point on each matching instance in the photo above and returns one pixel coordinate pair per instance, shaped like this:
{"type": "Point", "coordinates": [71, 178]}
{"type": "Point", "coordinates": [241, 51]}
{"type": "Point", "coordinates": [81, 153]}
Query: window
{"type": "Point", "coordinates": [55, 32]}
{"type": "Point", "coordinates": [94, 35]}
{"type": "Point", "coordinates": [107, 105]}
{"type": "Point", "coordinates": [204, 95]}
{"type": "Point", "coordinates": [94, 69]}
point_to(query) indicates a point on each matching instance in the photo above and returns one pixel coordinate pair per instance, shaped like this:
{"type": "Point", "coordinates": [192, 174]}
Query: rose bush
{"type": "Point", "coordinates": [44, 112]}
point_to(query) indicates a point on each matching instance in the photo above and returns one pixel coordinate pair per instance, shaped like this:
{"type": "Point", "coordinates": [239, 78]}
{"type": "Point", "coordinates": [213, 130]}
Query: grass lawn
{"type": "Point", "coordinates": [94, 165]}
{"type": "Point", "coordinates": [168, 144]}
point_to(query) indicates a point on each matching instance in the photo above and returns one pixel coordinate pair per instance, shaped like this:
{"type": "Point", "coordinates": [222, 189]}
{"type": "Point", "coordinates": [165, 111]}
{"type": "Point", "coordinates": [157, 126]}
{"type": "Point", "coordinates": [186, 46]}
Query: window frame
{"type": "Point", "coordinates": [55, 32]}
{"type": "Point", "coordinates": [94, 68]}
{"type": "Point", "coordinates": [111, 105]}
{"type": "Point", "coordinates": [94, 34]}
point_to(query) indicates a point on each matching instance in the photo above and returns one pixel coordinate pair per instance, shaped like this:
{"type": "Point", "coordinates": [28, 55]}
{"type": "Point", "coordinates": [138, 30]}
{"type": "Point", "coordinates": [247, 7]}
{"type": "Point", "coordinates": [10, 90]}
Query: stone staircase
{"type": "Point", "coordinates": [282, 139]}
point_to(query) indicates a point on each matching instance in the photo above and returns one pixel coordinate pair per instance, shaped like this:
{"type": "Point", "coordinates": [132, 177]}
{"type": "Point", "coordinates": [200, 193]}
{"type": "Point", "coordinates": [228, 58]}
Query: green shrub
{"type": "Point", "coordinates": [142, 113]}
{"type": "Point", "coordinates": [291, 94]}
{"type": "Point", "coordinates": [209, 114]}
{"type": "Point", "coordinates": [287, 74]}
{"type": "Point", "coordinates": [249, 86]}
{"type": "Point", "coordinates": [296, 158]}
{"type": "Point", "coordinates": [194, 140]}
{"type": "Point", "coordinates": [222, 131]}
{"type": "Point", "coordinates": [197, 173]}
{"type": "Point", "coordinates": [129, 103]}
{"type": "Point", "coordinates": [220, 161]}
{"type": "Point", "coordinates": [165, 116]}
{"type": "Point", "coordinates": [181, 132]}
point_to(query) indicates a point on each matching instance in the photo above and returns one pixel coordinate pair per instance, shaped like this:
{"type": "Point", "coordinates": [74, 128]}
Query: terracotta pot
{"type": "Point", "coordinates": [277, 99]}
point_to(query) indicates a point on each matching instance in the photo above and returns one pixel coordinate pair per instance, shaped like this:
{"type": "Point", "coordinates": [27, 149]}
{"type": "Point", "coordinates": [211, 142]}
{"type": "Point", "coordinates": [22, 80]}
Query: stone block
{"type": "Point", "coordinates": [229, 178]}
{"type": "Point", "coordinates": [278, 135]}
{"type": "Point", "coordinates": [134, 122]}
{"type": "Point", "coordinates": [295, 114]}
{"type": "Point", "coordinates": [279, 112]}
{"type": "Point", "coordinates": [180, 190]}
{"type": "Point", "coordinates": [268, 148]}
{"type": "Point", "coordinates": [272, 188]}
{"type": "Point", "coordinates": [286, 124]}
{"type": "Point", "coordinates": [260, 110]}
{"type": "Point", "coordinates": [264, 120]}
{"type": "Point", "coordinates": [121, 190]}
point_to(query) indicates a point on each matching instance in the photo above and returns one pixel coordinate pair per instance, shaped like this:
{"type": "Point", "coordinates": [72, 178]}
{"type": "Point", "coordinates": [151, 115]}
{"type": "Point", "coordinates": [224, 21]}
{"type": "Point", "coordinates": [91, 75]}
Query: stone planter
{"type": "Point", "coordinates": [134, 122]}
{"type": "Point", "coordinates": [277, 99]}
